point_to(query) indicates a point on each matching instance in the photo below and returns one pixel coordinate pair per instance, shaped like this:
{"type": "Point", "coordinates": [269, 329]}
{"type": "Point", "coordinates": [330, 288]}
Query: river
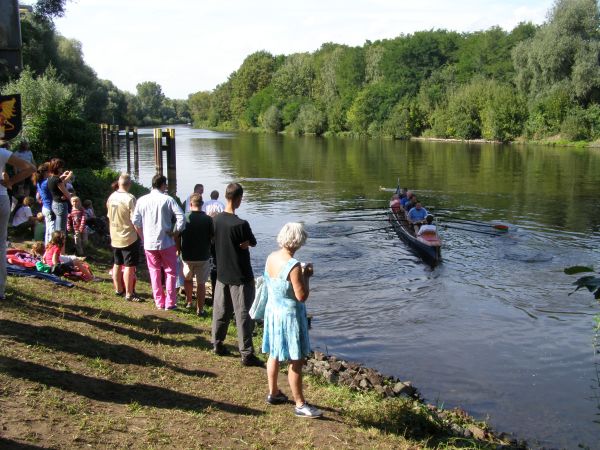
{"type": "Point", "coordinates": [492, 329]}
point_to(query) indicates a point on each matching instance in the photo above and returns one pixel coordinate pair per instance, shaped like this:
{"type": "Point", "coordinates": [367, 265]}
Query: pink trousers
{"type": "Point", "coordinates": [163, 259]}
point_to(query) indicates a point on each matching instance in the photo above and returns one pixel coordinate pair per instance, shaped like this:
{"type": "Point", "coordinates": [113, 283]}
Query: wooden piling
{"type": "Point", "coordinates": [128, 147]}
{"type": "Point", "coordinates": [158, 147]}
{"type": "Point", "coordinates": [171, 161]}
{"type": "Point", "coordinates": [169, 148]}
{"type": "Point", "coordinates": [136, 153]}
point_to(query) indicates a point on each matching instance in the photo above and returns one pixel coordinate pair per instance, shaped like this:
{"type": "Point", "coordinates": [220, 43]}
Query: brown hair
{"type": "Point", "coordinates": [55, 165]}
{"type": "Point", "coordinates": [38, 175]}
{"type": "Point", "coordinates": [234, 191]}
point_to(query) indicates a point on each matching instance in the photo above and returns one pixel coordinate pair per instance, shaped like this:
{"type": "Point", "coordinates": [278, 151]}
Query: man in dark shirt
{"type": "Point", "coordinates": [194, 243]}
{"type": "Point", "coordinates": [234, 290]}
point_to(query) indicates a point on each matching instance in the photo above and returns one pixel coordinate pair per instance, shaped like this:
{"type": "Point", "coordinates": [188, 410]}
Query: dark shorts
{"type": "Point", "coordinates": [127, 256]}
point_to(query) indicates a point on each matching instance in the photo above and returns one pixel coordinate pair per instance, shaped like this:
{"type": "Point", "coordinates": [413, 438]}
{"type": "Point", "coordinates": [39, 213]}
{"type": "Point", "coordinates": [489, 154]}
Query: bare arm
{"type": "Point", "coordinates": [300, 284]}
{"type": "Point", "coordinates": [26, 169]}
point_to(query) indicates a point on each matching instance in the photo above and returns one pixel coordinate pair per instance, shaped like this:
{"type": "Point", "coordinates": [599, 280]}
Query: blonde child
{"type": "Point", "coordinates": [76, 224]}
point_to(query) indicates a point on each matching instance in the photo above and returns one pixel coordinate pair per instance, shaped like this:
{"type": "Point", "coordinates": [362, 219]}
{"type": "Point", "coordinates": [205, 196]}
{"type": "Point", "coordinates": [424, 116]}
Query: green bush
{"type": "Point", "coordinates": [271, 119]}
{"type": "Point", "coordinates": [406, 120]}
{"type": "Point", "coordinates": [548, 111]}
{"type": "Point", "coordinates": [504, 114]}
{"type": "Point", "coordinates": [310, 120]}
{"type": "Point", "coordinates": [95, 185]}
{"type": "Point", "coordinates": [53, 121]}
{"type": "Point", "coordinates": [575, 127]}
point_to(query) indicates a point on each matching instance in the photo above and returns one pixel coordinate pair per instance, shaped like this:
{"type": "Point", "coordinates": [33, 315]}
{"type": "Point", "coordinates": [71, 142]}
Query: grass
{"type": "Point", "coordinates": [82, 368]}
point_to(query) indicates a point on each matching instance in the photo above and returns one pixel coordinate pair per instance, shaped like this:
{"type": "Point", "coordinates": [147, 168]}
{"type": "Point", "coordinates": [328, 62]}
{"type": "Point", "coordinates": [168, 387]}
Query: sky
{"type": "Point", "coordinates": [192, 45]}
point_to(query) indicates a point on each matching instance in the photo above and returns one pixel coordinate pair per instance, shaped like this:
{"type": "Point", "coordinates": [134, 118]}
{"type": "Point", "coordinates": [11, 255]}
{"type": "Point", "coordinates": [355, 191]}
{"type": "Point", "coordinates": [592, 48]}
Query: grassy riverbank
{"type": "Point", "coordinates": [82, 368]}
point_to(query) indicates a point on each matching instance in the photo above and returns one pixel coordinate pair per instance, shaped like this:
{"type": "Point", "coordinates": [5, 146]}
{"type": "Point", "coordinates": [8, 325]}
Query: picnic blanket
{"type": "Point", "coordinates": [18, 271]}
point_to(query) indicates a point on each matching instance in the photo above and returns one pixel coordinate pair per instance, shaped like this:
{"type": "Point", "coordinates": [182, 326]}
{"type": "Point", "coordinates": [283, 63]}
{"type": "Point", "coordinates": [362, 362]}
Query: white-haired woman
{"type": "Point", "coordinates": [285, 335]}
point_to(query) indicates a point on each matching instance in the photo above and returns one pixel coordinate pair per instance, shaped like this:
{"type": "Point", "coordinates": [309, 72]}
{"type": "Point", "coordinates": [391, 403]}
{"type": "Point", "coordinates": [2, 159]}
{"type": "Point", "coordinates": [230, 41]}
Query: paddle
{"type": "Point", "coordinates": [472, 231]}
{"type": "Point", "coordinates": [354, 220]}
{"type": "Point", "coordinates": [496, 226]}
{"type": "Point", "coordinates": [366, 231]}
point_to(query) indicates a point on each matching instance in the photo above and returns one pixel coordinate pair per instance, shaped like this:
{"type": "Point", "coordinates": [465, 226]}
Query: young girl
{"type": "Point", "coordinates": [76, 224]}
{"type": "Point", "coordinates": [64, 264]}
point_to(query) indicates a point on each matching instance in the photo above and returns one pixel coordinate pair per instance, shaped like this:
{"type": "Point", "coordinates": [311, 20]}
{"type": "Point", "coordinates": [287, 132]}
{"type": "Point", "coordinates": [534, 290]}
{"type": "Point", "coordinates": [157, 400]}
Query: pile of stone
{"type": "Point", "coordinates": [357, 377]}
{"type": "Point", "coordinates": [360, 378]}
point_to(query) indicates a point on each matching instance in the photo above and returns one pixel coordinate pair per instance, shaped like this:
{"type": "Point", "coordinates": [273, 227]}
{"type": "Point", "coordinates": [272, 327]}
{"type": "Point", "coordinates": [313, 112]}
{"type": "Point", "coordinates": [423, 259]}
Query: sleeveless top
{"type": "Point", "coordinates": [285, 335]}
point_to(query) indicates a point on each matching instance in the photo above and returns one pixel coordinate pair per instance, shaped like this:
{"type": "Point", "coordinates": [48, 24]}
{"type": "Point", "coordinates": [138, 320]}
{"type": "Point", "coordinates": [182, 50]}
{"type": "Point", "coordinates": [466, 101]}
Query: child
{"type": "Point", "coordinates": [23, 219]}
{"type": "Point", "coordinates": [76, 223]}
{"type": "Point", "coordinates": [63, 264]}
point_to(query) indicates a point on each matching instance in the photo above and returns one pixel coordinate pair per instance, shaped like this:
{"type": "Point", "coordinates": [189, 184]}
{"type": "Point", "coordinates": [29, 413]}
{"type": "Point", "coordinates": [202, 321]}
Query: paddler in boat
{"type": "Point", "coordinates": [428, 227]}
{"type": "Point", "coordinates": [417, 215]}
{"type": "Point", "coordinates": [395, 203]}
{"type": "Point", "coordinates": [404, 201]}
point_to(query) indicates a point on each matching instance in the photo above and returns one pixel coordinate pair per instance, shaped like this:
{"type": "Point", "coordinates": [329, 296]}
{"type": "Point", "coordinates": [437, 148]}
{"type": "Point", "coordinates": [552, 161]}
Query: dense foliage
{"type": "Point", "coordinates": [95, 185]}
{"type": "Point", "coordinates": [536, 82]}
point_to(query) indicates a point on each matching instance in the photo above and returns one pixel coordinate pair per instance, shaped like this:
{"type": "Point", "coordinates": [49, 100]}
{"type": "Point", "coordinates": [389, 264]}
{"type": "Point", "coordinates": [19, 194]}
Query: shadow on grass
{"type": "Point", "coordinates": [109, 391]}
{"type": "Point", "coordinates": [70, 342]}
{"type": "Point", "coordinates": [8, 444]}
{"type": "Point", "coordinates": [150, 322]}
{"type": "Point", "coordinates": [50, 309]}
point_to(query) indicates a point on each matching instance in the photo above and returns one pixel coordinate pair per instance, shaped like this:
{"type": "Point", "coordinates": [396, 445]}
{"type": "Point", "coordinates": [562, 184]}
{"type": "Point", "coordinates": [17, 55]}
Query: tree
{"type": "Point", "coordinates": [199, 106]}
{"type": "Point", "coordinates": [47, 9]}
{"type": "Point", "coordinates": [150, 97]}
{"type": "Point", "coordinates": [372, 105]}
{"type": "Point", "coordinates": [564, 50]}
{"type": "Point", "coordinates": [253, 75]}
{"type": "Point", "coordinates": [271, 119]}
{"type": "Point", "coordinates": [54, 122]}
{"type": "Point", "coordinates": [294, 78]}
{"type": "Point", "coordinates": [310, 120]}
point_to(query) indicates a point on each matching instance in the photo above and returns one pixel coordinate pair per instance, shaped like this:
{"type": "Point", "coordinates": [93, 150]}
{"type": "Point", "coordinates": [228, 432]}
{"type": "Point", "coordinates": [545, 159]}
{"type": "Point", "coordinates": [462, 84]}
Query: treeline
{"type": "Point", "coordinates": [64, 100]}
{"type": "Point", "coordinates": [533, 82]}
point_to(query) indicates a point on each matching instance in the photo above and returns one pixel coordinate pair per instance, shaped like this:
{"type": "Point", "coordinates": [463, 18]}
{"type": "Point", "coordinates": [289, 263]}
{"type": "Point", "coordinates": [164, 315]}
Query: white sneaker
{"type": "Point", "coordinates": [308, 411]}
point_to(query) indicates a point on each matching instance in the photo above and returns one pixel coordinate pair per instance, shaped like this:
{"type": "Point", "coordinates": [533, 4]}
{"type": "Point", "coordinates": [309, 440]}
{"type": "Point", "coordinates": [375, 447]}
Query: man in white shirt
{"type": "Point", "coordinates": [153, 221]}
{"type": "Point", "coordinates": [213, 206]}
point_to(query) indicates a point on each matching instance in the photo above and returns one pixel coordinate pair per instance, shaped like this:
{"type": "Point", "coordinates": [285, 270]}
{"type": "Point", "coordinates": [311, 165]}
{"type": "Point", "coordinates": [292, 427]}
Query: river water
{"type": "Point", "coordinates": [492, 329]}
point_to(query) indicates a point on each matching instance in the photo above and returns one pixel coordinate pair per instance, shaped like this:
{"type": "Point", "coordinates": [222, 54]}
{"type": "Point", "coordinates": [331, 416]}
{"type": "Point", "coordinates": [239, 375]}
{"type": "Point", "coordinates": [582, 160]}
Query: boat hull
{"type": "Point", "coordinates": [431, 254]}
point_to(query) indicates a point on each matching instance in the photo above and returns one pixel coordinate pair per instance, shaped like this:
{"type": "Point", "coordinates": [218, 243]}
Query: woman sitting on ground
{"type": "Point", "coordinates": [285, 335]}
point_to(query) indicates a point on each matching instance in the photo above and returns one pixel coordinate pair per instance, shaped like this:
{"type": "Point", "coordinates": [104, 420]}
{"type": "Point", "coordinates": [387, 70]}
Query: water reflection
{"type": "Point", "coordinates": [492, 329]}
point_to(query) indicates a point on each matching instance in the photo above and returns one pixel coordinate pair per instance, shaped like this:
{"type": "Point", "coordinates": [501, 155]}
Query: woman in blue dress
{"type": "Point", "coordinates": [285, 335]}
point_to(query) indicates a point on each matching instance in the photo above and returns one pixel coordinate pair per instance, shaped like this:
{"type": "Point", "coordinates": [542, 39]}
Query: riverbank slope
{"type": "Point", "coordinates": [81, 367]}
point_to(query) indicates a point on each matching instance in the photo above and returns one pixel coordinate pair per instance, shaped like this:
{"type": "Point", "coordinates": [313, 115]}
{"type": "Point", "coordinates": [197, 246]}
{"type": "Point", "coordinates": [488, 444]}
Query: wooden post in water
{"type": "Point", "coordinates": [169, 148]}
{"type": "Point", "coordinates": [171, 160]}
{"type": "Point", "coordinates": [102, 146]}
{"type": "Point", "coordinates": [128, 147]}
{"type": "Point", "coordinates": [114, 136]}
{"type": "Point", "coordinates": [136, 154]}
{"type": "Point", "coordinates": [158, 160]}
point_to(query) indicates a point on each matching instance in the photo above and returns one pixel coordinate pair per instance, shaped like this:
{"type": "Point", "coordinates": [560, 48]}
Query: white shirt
{"type": "Point", "coordinates": [21, 216]}
{"type": "Point", "coordinates": [4, 155]}
{"type": "Point", "coordinates": [426, 228]}
{"type": "Point", "coordinates": [25, 155]}
{"type": "Point", "coordinates": [213, 207]}
{"type": "Point", "coordinates": [154, 213]}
